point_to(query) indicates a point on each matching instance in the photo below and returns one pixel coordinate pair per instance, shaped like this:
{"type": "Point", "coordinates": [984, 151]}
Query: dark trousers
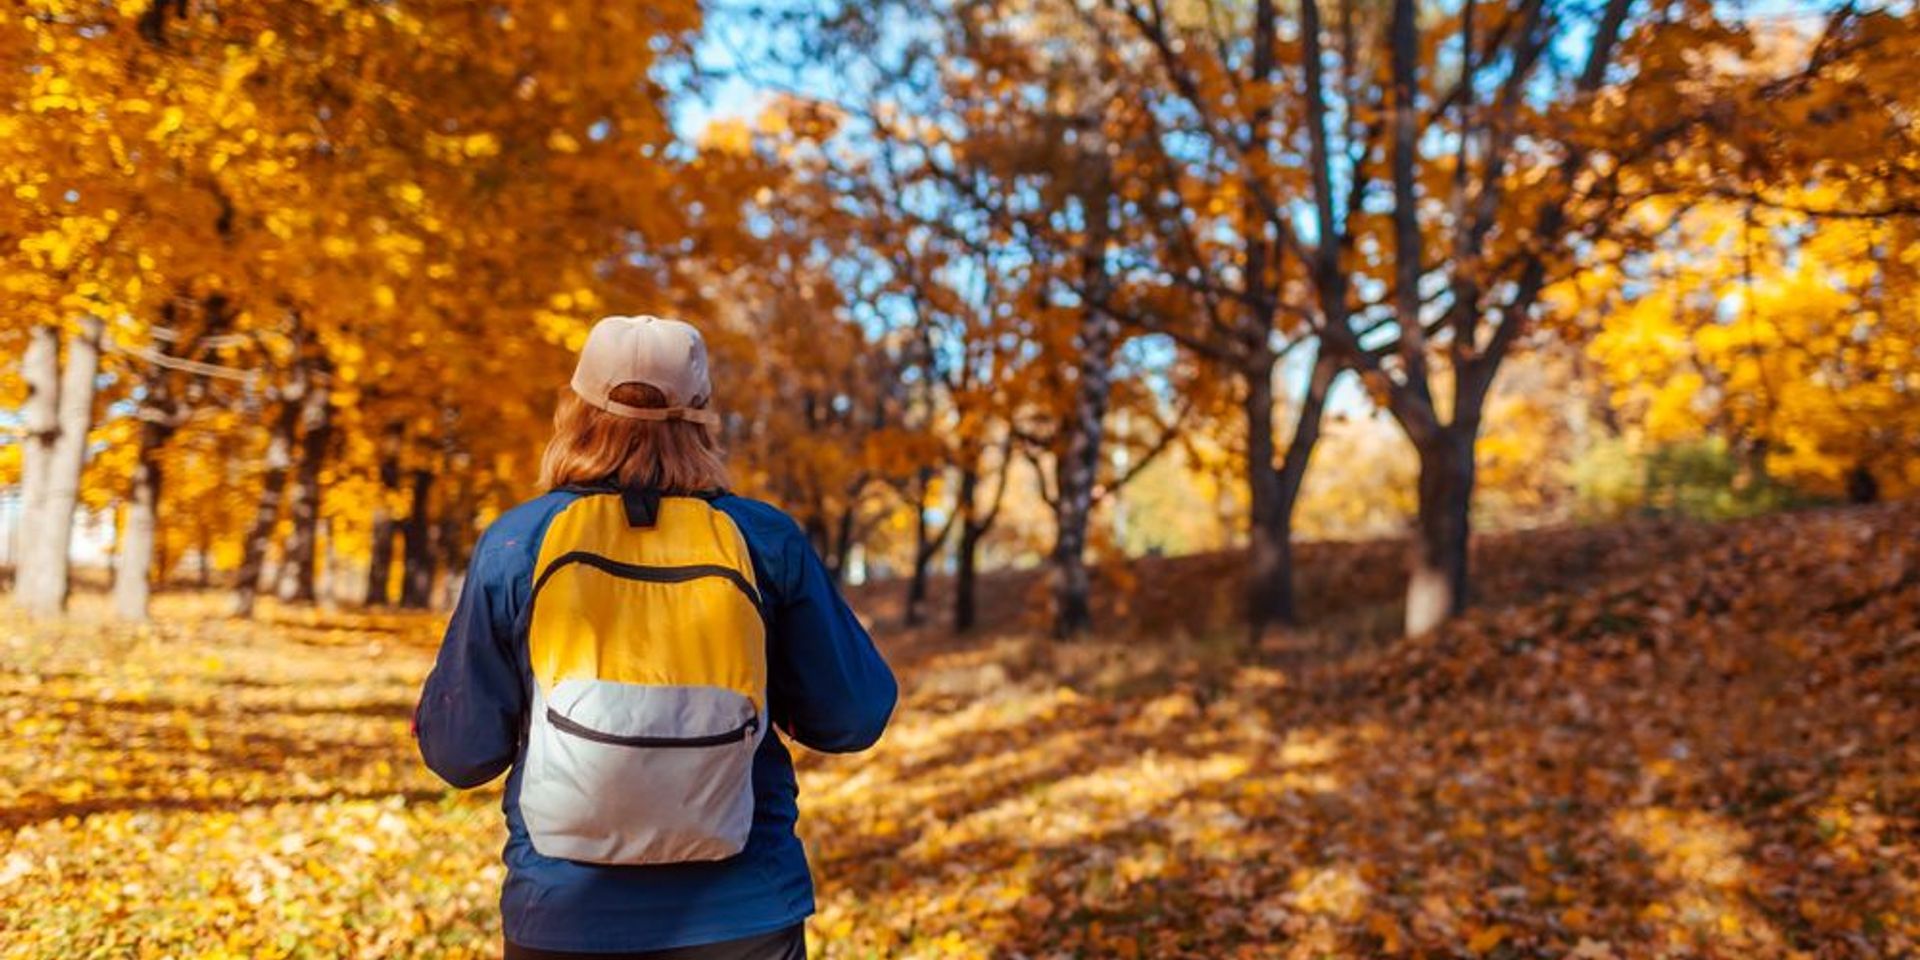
{"type": "Point", "coordinates": [788, 944]}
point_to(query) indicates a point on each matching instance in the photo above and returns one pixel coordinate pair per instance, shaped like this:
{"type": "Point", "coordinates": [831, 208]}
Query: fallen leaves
{"type": "Point", "coordinates": [1696, 747]}
{"type": "Point", "coordinates": [216, 790]}
{"type": "Point", "coordinates": [1706, 752]}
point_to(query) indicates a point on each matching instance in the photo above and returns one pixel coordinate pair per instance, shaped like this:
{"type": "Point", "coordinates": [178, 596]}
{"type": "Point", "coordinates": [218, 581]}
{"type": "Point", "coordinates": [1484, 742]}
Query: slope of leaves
{"type": "Point", "coordinates": [1707, 752]}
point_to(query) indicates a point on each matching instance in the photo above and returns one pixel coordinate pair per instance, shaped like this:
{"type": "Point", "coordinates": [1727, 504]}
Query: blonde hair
{"type": "Point", "coordinates": [590, 445]}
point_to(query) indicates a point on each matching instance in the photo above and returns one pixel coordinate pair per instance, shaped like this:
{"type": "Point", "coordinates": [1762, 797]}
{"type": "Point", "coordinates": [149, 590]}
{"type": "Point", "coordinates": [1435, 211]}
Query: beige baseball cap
{"type": "Point", "coordinates": [668, 355]}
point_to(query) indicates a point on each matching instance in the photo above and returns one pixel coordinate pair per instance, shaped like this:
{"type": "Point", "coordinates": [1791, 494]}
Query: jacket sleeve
{"type": "Point", "coordinates": [828, 685]}
{"type": "Point", "coordinates": [473, 705]}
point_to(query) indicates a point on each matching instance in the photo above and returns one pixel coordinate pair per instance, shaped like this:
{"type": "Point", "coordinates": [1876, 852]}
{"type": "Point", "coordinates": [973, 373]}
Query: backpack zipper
{"type": "Point", "coordinates": [650, 574]}
{"type": "Point", "coordinates": [562, 723]}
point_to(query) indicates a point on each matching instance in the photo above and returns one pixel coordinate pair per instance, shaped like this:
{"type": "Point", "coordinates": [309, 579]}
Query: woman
{"type": "Point", "coordinates": [649, 811]}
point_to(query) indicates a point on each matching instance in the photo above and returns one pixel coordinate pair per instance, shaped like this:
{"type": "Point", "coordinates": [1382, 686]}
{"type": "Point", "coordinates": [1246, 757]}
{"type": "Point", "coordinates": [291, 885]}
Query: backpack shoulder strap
{"type": "Point", "coordinates": [642, 505]}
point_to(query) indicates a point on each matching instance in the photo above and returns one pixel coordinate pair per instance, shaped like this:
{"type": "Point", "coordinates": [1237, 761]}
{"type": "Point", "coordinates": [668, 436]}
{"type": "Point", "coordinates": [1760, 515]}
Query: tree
{"type": "Point", "coordinates": [59, 414]}
{"type": "Point", "coordinates": [1042, 166]}
{"type": "Point", "coordinates": [891, 326]}
{"type": "Point", "coordinates": [1207, 268]}
{"type": "Point", "coordinates": [1766, 297]}
{"type": "Point", "coordinates": [383, 527]}
{"type": "Point", "coordinates": [1797, 355]}
{"type": "Point", "coordinates": [981, 164]}
{"type": "Point", "coordinates": [40, 431]}
{"type": "Point", "coordinates": [444, 215]}
{"type": "Point", "coordinates": [173, 386]}
{"type": "Point", "coordinates": [1532, 187]}
{"type": "Point", "coordinates": [1378, 303]}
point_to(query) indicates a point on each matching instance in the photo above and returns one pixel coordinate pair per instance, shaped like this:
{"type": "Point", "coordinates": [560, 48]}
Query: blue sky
{"type": "Point", "coordinates": [736, 86]}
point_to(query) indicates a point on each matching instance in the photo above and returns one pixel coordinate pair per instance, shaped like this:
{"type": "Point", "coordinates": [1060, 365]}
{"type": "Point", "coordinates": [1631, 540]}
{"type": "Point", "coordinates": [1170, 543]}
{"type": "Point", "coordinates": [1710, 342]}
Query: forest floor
{"type": "Point", "coordinates": [1690, 741]}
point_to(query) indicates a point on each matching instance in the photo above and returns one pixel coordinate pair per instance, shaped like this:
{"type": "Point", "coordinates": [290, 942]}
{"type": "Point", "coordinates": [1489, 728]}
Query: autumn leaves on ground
{"type": "Point", "coordinates": [1702, 746]}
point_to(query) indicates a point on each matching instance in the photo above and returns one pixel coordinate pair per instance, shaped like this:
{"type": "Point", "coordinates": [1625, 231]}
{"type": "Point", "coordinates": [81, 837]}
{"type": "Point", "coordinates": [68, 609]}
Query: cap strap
{"type": "Point", "coordinates": [689, 414]}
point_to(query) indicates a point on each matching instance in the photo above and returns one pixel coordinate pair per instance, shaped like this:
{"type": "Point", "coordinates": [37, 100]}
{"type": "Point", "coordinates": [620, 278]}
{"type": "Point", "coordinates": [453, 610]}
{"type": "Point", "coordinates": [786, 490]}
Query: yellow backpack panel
{"type": "Point", "coordinates": [674, 604]}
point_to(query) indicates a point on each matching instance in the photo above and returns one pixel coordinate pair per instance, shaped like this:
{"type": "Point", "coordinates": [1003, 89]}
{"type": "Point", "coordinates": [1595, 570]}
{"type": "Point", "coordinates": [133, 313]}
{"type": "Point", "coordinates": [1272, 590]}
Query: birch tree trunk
{"type": "Point", "coordinates": [1078, 470]}
{"type": "Point", "coordinates": [40, 369]}
{"type": "Point", "coordinates": [53, 531]}
{"type": "Point", "coordinates": [1078, 475]}
{"type": "Point", "coordinates": [134, 560]}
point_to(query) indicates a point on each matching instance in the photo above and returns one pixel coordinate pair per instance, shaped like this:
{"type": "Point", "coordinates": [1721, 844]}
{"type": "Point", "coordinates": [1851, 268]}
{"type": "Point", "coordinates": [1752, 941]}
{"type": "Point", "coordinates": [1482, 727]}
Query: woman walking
{"type": "Point", "coordinates": [627, 644]}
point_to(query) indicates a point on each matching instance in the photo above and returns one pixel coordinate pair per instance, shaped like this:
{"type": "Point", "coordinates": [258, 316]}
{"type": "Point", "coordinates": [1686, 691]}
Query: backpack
{"type": "Point", "coordinates": [648, 653]}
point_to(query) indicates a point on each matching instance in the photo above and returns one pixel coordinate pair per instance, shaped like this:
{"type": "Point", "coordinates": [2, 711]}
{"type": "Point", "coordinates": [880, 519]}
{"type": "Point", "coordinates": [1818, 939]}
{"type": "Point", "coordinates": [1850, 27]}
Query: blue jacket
{"type": "Point", "coordinates": [828, 688]}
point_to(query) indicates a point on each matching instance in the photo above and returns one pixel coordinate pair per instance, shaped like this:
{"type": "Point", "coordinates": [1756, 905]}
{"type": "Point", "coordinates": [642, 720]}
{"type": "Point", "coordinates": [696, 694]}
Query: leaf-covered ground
{"type": "Point", "coordinates": [1703, 746]}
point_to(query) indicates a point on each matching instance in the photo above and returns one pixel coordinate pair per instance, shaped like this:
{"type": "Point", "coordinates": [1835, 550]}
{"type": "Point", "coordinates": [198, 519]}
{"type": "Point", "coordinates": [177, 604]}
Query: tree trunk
{"type": "Point", "coordinates": [67, 458]}
{"type": "Point", "coordinates": [924, 547]}
{"type": "Point", "coordinates": [842, 545]}
{"type": "Point", "coordinates": [134, 563]}
{"type": "Point", "coordinates": [416, 582]}
{"type": "Point", "coordinates": [299, 560]}
{"type": "Point", "coordinates": [1078, 472]}
{"type": "Point", "coordinates": [134, 560]}
{"type": "Point", "coordinates": [1861, 485]}
{"type": "Point", "coordinates": [253, 551]}
{"type": "Point", "coordinates": [327, 582]}
{"type": "Point", "coordinates": [1437, 577]}
{"type": "Point", "coordinates": [139, 553]}
{"type": "Point", "coordinates": [203, 577]}
{"type": "Point", "coordinates": [965, 610]}
{"type": "Point", "coordinates": [1273, 599]}
{"type": "Point", "coordinates": [1072, 582]}
{"type": "Point", "coordinates": [1269, 570]}
{"type": "Point", "coordinates": [917, 584]}
{"type": "Point", "coordinates": [40, 423]}
{"type": "Point", "coordinates": [1078, 468]}
{"type": "Point", "coordinates": [449, 546]}
{"type": "Point", "coordinates": [815, 527]}
{"type": "Point", "coordinates": [380, 559]}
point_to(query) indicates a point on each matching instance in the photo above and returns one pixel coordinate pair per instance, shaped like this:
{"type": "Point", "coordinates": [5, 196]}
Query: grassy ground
{"type": "Point", "coordinates": [1695, 741]}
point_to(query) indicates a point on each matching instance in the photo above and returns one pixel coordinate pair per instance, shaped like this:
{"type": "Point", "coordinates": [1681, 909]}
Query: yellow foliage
{"type": "Point", "coordinates": [1804, 354]}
